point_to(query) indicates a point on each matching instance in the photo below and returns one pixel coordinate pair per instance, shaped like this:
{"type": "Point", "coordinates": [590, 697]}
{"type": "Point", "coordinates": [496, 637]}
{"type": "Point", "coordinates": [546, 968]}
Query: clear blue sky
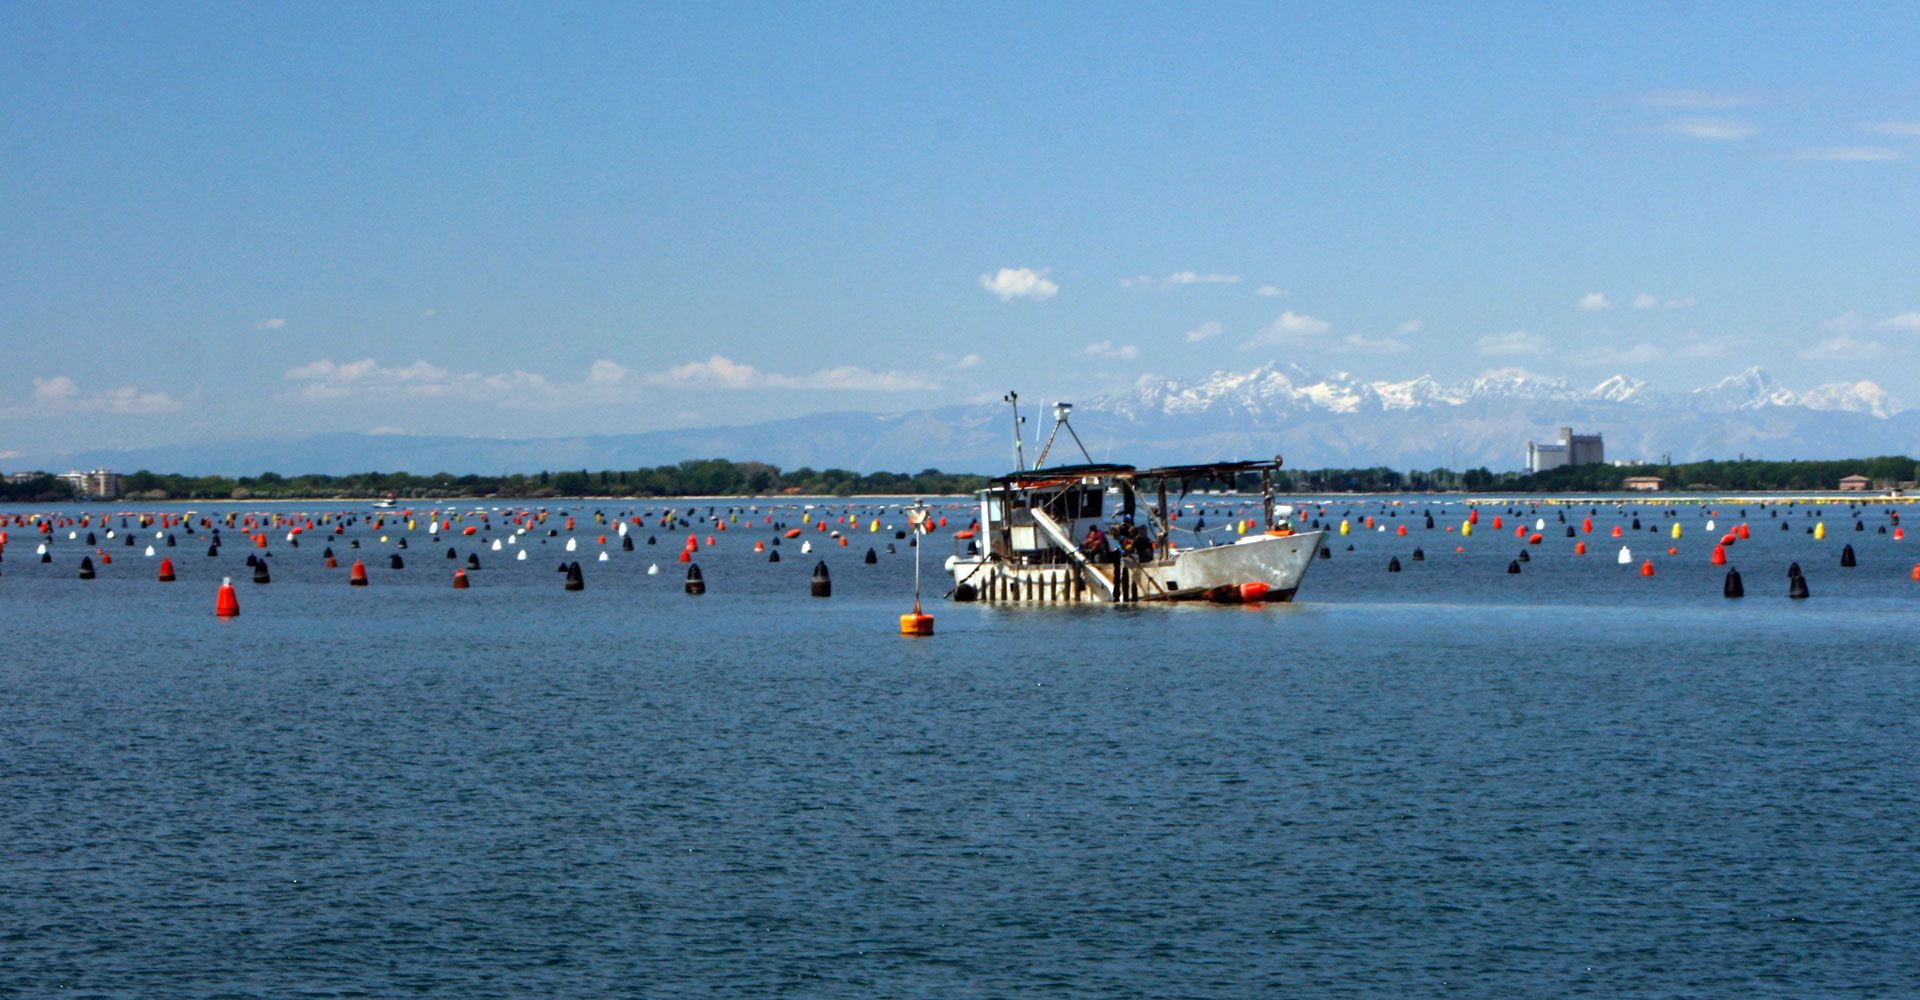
{"type": "Point", "coordinates": [521, 220]}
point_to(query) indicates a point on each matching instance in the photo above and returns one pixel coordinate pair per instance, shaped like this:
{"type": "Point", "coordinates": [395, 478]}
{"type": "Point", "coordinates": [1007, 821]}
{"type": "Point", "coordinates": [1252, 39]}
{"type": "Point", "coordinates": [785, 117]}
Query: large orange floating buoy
{"type": "Point", "coordinates": [357, 576]}
{"type": "Point", "coordinates": [227, 603]}
{"type": "Point", "coordinates": [964, 535]}
{"type": "Point", "coordinates": [915, 623]}
{"type": "Point", "coordinates": [1254, 592]}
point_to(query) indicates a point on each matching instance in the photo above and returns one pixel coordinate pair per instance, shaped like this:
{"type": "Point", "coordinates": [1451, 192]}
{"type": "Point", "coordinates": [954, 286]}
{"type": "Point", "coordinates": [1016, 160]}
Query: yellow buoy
{"type": "Point", "coordinates": [1676, 529]}
{"type": "Point", "coordinates": [1344, 526]}
{"type": "Point", "coordinates": [1820, 530]}
{"type": "Point", "coordinates": [1466, 529]}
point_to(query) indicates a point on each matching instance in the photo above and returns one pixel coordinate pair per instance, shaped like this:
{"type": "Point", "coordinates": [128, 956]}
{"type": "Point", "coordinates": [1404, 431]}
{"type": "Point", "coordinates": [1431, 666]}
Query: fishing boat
{"type": "Point", "coordinates": [1098, 532]}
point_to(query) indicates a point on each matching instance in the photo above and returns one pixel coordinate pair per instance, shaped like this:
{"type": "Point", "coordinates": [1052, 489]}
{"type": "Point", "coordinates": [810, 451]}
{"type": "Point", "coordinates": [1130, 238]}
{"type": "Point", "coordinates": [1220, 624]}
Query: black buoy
{"type": "Point", "coordinates": [1419, 555]}
{"type": "Point", "coordinates": [46, 557]}
{"type": "Point", "coordinates": [774, 556]}
{"type": "Point", "coordinates": [451, 554]}
{"type": "Point", "coordinates": [396, 562]}
{"type": "Point", "coordinates": [1733, 586]}
{"type": "Point", "coordinates": [1797, 588]}
{"type": "Point", "coordinates": [965, 593]}
{"type": "Point", "coordinates": [1514, 566]}
{"type": "Point", "coordinates": [86, 567]}
{"type": "Point", "coordinates": [91, 540]}
{"type": "Point", "coordinates": [212, 551]}
{"type": "Point", "coordinates": [260, 574]}
{"type": "Point", "coordinates": [328, 554]}
{"type": "Point", "coordinates": [650, 540]}
{"type": "Point", "coordinates": [626, 543]}
{"type": "Point", "coordinates": [891, 550]}
{"type": "Point", "coordinates": [822, 586]}
{"type": "Point", "coordinates": [1569, 531]}
{"type": "Point", "coordinates": [696, 584]}
{"type": "Point", "coordinates": [1846, 557]}
{"type": "Point", "coordinates": [576, 580]}
{"type": "Point", "coordinates": [871, 558]}
{"type": "Point", "coordinates": [1429, 522]}
{"type": "Point", "coordinates": [129, 540]}
{"type": "Point", "coordinates": [1326, 553]}
{"type": "Point", "coordinates": [1524, 557]}
{"type": "Point", "coordinates": [252, 560]}
{"type": "Point", "coordinates": [473, 560]}
{"type": "Point", "coordinates": [1393, 565]}
{"type": "Point", "coordinates": [1793, 570]}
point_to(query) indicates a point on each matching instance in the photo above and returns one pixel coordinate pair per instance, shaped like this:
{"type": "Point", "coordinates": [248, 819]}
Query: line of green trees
{"type": "Point", "coordinates": [705, 477]}
{"type": "Point", "coordinates": [719, 477]}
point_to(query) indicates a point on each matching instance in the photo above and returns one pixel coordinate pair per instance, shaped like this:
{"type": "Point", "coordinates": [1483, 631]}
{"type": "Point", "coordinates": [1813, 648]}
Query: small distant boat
{"type": "Point", "coordinates": [384, 504]}
{"type": "Point", "coordinates": [1102, 533]}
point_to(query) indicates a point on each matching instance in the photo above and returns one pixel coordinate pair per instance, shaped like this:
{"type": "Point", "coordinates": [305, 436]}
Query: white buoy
{"type": "Point", "coordinates": [433, 528]}
{"type": "Point", "coordinates": [603, 557]}
{"type": "Point", "coordinates": [496, 545]}
{"type": "Point", "coordinates": [1709, 524]}
{"type": "Point", "coordinates": [513, 539]}
{"type": "Point", "coordinates": [42, 550]}
{"type": "Point", "coordinates": [653, 570]}
{"type": "Point", "coordinates": [1539, 524]}
{"type": "Point", "coordinates": [1626, 555]}
{"type": "Point", "coordinates": [520, 556]}
{"type": "Point", "coordinates": [806, 547]}
{"type": "Point", "coordinates": [621, 528]}
{"type": "Point", "coordinates": [71, 535]}
{"type": "Point", "coordinates": [149, 552]}
{"type": "Point", "coordinates": [109, 532]}
{"type": "Point", "coordinates": [159, 534]}
{"type": "Point", "coordinates": [572, 545]}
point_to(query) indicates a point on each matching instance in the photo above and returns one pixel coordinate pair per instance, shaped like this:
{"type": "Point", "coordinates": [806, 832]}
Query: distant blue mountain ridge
{"type": "Point", "coordinates": [1314, 420]}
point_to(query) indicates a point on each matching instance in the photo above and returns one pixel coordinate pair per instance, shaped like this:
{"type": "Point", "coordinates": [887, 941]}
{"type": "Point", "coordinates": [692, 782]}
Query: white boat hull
{"type": "Point", "coordinates": [1218, 573]}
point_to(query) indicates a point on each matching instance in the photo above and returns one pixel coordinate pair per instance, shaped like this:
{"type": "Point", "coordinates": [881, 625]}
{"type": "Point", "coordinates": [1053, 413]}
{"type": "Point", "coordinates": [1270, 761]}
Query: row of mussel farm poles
{"type": "Point", "coordinates": [1055, 585]}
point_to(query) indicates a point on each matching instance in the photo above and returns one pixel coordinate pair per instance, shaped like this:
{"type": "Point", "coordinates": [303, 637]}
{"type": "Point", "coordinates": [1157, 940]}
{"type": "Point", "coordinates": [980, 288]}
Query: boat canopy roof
{"type": "Point", "coordinates": [1205, 470]}
{"type": "Point", "coordinates": [1061, 472]}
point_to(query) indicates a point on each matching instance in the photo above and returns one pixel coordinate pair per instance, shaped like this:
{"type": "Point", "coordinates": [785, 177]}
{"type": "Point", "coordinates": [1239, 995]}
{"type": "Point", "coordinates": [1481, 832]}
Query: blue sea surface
{"type": "Point", "coordinates": [1451, 780]}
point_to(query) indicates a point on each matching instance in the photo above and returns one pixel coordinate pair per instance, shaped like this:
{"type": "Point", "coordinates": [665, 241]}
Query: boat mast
{"type": "Point", "coordinates": [1019, 445]}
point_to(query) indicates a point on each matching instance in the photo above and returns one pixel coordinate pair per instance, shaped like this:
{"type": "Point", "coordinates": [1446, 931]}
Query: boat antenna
{"type": "Point", "coordinates": [1060, 412]}
{"type": "Point", "coordinates": [1019, 446]}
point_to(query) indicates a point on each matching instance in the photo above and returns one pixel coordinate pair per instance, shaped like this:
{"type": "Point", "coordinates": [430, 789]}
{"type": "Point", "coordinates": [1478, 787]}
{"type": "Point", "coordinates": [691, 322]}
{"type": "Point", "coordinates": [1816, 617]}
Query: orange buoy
{"type": "Point", "coordinates": [915, 623]}
{"type": "Point", "coordinates": [1899, 534]}
{"type": "Point", "coordinates": [963, 535]}
{"type": "Point", "coordinates": [470, 529]}
{"type": "Point", "coordinates": [793, 532]}
{"type": "Point", "coordinates": [1616, 531]}
{"type": "Point", "coordinates": [1916, 572]}
{"type": "Point", "coordinates": [686, 555]}
{"type": "Point", "coordinates": [1579, 548]}
{"type": "Point", "coordinates": [333, 563]}
{"type": "Point", "coordinates": [1672, 551]}
{"type": "Point", "coordinates": [357, 577]}
{"type": "Point", "coordinates": [166, 571]}
{"type": "Point", "coordinates": [1646, 568]}
{"type": "Point", "coordinates": [459, 579]}
{"type": "Point", "coordinates": [1719, 555]}
{"type": "Point", "coordinates": [1254, 592]}
{"type": "Point", "coordinates": [1535, 538]}
{"type": "Point", "coordinates": [227, 604]}
{"type": "Point", "coordinates": [1496, 522]}
{"type": "Point", "coordinates": [1401, 531]}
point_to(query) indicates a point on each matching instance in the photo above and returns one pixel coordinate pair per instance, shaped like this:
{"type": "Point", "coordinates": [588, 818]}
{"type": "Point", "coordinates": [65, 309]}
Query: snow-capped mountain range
{"type": "Point", "coordinates": [1315, 420]}
{"type": "Point", "coordinates": [1276, 390]}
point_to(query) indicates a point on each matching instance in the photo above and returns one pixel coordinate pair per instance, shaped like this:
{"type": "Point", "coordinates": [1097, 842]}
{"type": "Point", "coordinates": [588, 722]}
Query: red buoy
{"type": "Point", "coordinates": [227, 605]}
{"type": "Point", "coordinates": [1719, 555]}
{"type": "Point", "coordinates": [1646, 568]}
{"type": "Point", "coordinates": [166, 571]}
{"type": "Point", "coordinates": [1254, 592]}
{"type": "Point", "coordinates": [459, 579]}
{"type": "Point", "coordinates": [357, 577]}
{"type": "Point", "coordinates": [1579, 548]}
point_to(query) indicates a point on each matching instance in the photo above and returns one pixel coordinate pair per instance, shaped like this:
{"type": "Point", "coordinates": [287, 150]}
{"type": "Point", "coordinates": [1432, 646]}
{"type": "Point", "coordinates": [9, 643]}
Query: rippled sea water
{"type": "Point", "coordinates": [1449, 780]}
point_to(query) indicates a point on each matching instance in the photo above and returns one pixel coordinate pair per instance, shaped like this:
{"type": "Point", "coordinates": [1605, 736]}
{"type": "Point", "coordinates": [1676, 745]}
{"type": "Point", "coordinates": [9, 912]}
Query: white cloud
{"type": "Point", "coordinates": [1710, 347]}
{"type": "Point", "coordinates": [721, 372]}
{"type": "Point", "coordinates": [329, 381]}
{"type": "Point", "coordinates": [1713, 129]}
{"type": "Point", "coordinates": [1191, 278]}
{"type": "Point", "coordinates": [1137, 281]}
{"type": "Point", "coordinates": [1360, 343]}
{"type": "Point", "coordinates": [1694, 100]}
{"type": "Point", "coordinates": [1019, 283]}
{"type": "Point", "coordinates": [10, 454]}
{"type": "Point", "coordinates": [1205, 331]}
{"type": "Point", "coordinates": [1290, 328]}
{"type": "Point", "coordinates": [1512, 344]}
{"type": "Point", "coordinates": [606, 373]}
{"type": "Point", "coordinates": [1646, 300]}
{"type": "Point", "coordinates": [1846, 347]}
{"type": "Point", "coordinates": [1846, 322]}
{"type": "Point", "coordinates": [968, 361]}
{"type": "Point", "coordinates": [1686, 303]}
{"type": "Point", "coordinates": [59, 395]}
{"type": "Point", "coordinates": [388, 430]}
{"type": "Point", "coordinates": [274, 323]}
{"type": "Point", "coordinates": [1849, 154]}
{"type": "Point", "coordinates": [1908, 321]}
{"type": "Point", "coordinates": [1638, 354]}
{"type": "Point", "coordinates": [1270, 291]}
{"type": "Point", "coordinates": [1112, 352]}
{"type": "Point", "coordinates": [1593, 302]}
{"type": "Point", "coordinates": [1893, 128]}
{"type": "Point", "coordinates": [1410, 327]}
{"type": "Point", "coordinates": [429, 313]}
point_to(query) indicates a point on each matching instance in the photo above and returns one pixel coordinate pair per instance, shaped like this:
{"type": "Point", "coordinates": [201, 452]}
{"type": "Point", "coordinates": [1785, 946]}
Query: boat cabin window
{"type": "Point", "coordinates": [1071, 505]}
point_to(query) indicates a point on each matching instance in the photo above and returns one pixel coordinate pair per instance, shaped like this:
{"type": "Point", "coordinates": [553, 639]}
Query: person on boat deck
{"type": "Point", "coordinates": [1095, 543]}
{"type": "Point", "coordinates": [1134, 541]}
